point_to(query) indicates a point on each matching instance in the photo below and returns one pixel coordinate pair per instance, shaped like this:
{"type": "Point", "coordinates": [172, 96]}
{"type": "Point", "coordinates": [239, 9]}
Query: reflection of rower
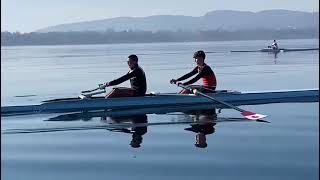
{"type": "Point", "coordinates": [136, 131]}
{"type": "Point", "coordinates": [206, 119]}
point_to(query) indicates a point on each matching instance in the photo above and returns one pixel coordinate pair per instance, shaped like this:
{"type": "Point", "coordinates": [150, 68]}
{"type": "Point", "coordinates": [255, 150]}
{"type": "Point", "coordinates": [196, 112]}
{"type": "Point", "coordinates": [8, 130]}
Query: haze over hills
{"type": "Point", "coordinates": [220, 25]}
{"type": "Point", "coordinates": [225, 20]}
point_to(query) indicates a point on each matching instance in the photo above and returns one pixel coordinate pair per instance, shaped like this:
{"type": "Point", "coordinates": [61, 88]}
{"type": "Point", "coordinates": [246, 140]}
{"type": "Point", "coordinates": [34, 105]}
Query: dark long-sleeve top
{"type": "Point", "coordinates": [137, 80]}
{"type": "Point", "coordinates": [204, 72]}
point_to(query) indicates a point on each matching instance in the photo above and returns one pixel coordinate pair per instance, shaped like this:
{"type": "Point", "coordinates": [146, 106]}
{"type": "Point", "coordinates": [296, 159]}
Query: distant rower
{"type": "Point", "coordinates": [203, 71]}
{"type": "Point", "coordinates": [137, 80]}
{"type": "Point", "coordinates": [274, 45]}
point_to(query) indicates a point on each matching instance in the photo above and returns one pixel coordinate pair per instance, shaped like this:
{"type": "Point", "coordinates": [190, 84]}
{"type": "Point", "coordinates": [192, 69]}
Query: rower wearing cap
{"type": "Point", "coordinates": [137, 80]}
{"type": "Point", "coordinates": [203, 72]}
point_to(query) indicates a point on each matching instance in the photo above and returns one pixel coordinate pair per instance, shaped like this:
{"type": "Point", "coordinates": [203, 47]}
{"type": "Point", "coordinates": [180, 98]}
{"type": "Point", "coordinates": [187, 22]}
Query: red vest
{"type": "Point", "coordinates": [208, 80]}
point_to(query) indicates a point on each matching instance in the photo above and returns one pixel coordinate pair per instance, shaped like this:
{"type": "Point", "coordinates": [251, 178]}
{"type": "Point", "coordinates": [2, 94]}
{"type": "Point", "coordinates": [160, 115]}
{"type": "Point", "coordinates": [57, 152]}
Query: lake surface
{"type": "Point", "coordinates": [286, 148]}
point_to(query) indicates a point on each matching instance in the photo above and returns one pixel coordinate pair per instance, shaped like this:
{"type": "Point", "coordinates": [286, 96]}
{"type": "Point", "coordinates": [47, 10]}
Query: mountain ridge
{"type": "Point", "coordinates": [230, 20]}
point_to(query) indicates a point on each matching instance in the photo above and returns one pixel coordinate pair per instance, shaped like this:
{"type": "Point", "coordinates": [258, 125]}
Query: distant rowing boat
{"type": "Point", "coordinates": [164, 100]}
{"type": "Point", "coordinates": [297, 49]}
{"type": "Point", "coordinates": [270, 50]}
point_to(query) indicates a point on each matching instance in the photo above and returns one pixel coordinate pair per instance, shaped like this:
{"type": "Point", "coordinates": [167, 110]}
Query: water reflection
{"type": "Point", "coordinates": [275, 57]}
{"type": "Point", "coordinates": [206, 121]}
{"type": "Point", "coordinates": [199, 121]}
{"type": "Point", "coordinates": [103, 114]}
{"type": "Point", "coordinates": [136, 131]}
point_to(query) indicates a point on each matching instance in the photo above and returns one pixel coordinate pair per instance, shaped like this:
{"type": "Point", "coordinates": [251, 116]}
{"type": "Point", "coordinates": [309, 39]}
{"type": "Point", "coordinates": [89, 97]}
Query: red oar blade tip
{"type": "Point", "coordinates": [253, 116]}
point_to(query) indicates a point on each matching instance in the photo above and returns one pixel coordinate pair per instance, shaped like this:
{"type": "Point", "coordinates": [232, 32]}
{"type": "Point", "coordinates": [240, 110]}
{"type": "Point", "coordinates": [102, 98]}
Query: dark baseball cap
{"type": "Point", "coordinates": [199, 54]}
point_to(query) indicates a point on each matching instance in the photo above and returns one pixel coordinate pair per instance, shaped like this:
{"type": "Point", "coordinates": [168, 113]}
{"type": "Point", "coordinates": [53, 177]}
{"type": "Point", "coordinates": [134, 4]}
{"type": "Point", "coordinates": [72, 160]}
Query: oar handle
{"type": "Point", "coordinates": [100, 87]}
{"type": "Point", "coordinates": [194, 91]}
{"type": "Point", "coordinates": [183, 86]}
{"type": "Point", "coordinates": [87, 91]}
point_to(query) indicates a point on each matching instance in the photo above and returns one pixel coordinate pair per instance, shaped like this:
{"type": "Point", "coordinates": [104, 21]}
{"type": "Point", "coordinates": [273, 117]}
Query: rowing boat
{"type": "Point", "coordinates": [297, 49]}
{"type": "Point", "coordinates": [270, 50]}
{"type": "Point", "coordinates": [163, 100]}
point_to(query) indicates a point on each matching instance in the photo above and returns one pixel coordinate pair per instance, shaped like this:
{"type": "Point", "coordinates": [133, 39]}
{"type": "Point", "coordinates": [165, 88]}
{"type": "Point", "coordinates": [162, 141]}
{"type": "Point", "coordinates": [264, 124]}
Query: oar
{"type": "Point", "coordinates": [101, 86]}
{"type": "Point", "coordinates": [247, 114]}
{"type": "Point", "coordinates": [26, 95]}
{"type": "Point", "coordinates": [89, 93]}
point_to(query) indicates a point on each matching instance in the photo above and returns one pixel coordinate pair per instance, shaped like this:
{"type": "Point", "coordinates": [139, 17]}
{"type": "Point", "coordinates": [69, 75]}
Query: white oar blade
{"type": "Point", "coordinates": [253, 116]}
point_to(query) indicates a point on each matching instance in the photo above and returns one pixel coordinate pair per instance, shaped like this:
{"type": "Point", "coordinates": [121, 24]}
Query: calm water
{"type": "Point", "coordinates": [286, 148]}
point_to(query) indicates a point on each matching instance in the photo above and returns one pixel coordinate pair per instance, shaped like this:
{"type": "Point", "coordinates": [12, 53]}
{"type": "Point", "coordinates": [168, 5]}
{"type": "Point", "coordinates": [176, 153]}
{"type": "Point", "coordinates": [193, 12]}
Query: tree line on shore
{"type": "Point", "coordinates": [129, 36]}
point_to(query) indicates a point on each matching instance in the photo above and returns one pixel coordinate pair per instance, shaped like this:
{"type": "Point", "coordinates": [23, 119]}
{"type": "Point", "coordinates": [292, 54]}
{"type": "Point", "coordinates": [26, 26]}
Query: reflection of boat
{"type": "Point", "coordinates": [164, 100]}
{"type": "Point", "coordinates": [86, 116]}
{"type": "Point", "coordinates": [279, 50]}
{"type": "Point", "coordinates": [201, 122]}
{"type": "Point", "coordinates": [121, 125]}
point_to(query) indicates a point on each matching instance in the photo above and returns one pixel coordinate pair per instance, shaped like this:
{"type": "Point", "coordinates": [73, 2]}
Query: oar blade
{"type": "Point", "coordinates": [247, 114]}
{"type": "Point", "coordinates": [253, 116]}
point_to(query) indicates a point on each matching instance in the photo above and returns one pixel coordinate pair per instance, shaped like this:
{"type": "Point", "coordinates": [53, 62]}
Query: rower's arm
{"type": "Point", "coordinates": [193, 80]}
{"type": "Point", "coordinates": [199, 76]}
{"type": "Point", "coordinates": [186, 76]}
{"type": "Point", "coordinates": [121, 79]}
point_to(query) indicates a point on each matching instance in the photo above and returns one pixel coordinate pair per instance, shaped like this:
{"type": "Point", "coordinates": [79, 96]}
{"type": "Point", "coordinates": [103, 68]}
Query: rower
{"type": "Point", "coordinates": [274, 45]}
{"type": "Point", "coordinates": [137, 80]}
{"type": "Point", "coordinates": [203, 72]}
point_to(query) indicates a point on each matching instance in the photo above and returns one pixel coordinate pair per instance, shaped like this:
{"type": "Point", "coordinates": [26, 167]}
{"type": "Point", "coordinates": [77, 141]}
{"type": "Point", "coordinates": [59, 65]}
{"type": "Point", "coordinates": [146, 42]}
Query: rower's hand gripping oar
{"type": "Point", "coordinates": [247, 114]}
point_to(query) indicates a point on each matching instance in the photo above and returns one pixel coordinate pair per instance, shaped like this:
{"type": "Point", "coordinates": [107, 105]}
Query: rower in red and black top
{"type": "Point", "coordinates": [137, 80]}
{"type": "Point", "coordinates": [203, 72]}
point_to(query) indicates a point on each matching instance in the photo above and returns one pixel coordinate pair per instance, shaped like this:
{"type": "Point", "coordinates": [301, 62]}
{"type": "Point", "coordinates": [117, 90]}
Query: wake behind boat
{"type": "Point", "coordinates": [163, 100]}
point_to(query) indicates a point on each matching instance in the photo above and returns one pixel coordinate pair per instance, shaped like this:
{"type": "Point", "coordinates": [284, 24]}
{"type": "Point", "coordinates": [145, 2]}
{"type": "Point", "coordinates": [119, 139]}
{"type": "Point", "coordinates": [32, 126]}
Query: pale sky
{"type": "Point", "coordinates": [31, 15]}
